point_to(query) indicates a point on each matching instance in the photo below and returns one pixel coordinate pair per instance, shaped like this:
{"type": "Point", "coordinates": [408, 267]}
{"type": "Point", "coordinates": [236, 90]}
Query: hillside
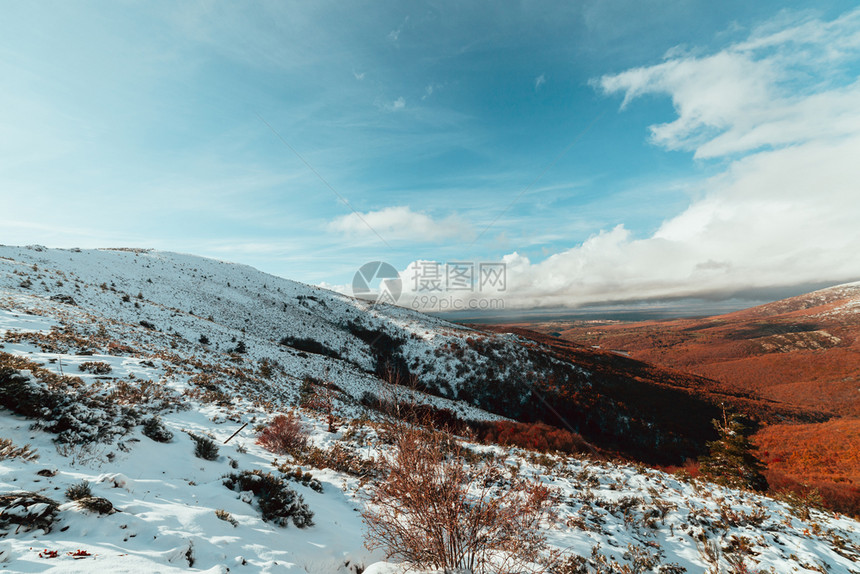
{"type": "Point", "coordinates": [803, 351]}
{"type": "Point", "coordinates": [97, 343]}
{"type": "Point", "coordinates": [177, 306]}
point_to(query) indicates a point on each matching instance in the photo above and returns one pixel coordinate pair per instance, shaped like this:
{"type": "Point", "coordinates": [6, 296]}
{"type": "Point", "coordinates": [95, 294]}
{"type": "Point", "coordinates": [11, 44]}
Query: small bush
{"type": "Point", "coordinates": [303, 478]}
{"type": "Point", "coordinates": [205, 447]}
{"type": "Point", "coordinates": [802, 501]}
{"type": "Point", "coordinates": [95, 367]}
{"type": "Point", "coordinates": [436, 512]}
{"type": "Point", "coordinates": [204, 340]}
{"type": "Point", "coordinates": [62, 405]}
{"type": "Point", "coordinates": [226, 517]}
{"type": "Point", "coordinates": [339, 458]}
{"type": "Point", "coordinates": [284, 435]}
{"type": "Point", "coordinates": [278, 502]}
{"type": "Point", "coordinates": [9, 450]}
{"type": "Point", "coordinates": [155, 429]}
{"type": "Point", "coordinates": [309, 346]}
{"type": "Point", "coordinates": [97, 504]}
{"type": "Point", "coordinates": [79, 490]}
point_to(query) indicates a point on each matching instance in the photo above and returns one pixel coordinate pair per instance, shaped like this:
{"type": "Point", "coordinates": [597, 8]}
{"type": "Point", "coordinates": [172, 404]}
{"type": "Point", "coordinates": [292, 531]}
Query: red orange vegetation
{"type": "Point", "coordinates": [283, 435]}
{"type": "Point", "coordinates": [825, 456]}
{"type": "Point", "coordinates": [798, 357]}
{"type": "Point", "coordinates": [534, 436]}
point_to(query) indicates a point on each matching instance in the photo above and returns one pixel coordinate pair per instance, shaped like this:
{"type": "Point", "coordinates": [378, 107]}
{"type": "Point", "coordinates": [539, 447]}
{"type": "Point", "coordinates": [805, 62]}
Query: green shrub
{"type": "Point", "coordinates": [61, 405]}
{"type": "Point", "coordinates": [79, 490]}
{"type": "Point", "coordinates": [205, 447]}
{"type": "Point", "coordinates": [303, 478]}
{"type": "Point", "coordinates": [155, 429]}
{"type": "Point", "coordinates": [278, 502]}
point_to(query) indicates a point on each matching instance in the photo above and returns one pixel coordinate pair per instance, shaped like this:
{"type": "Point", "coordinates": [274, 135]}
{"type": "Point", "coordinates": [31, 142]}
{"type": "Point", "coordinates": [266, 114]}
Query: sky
{"type": "Point", "coordinates": [601, 150]}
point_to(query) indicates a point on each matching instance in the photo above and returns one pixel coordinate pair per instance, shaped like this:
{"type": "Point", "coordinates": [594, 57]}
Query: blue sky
{"type": "Point", "coordinates": [605, 150]}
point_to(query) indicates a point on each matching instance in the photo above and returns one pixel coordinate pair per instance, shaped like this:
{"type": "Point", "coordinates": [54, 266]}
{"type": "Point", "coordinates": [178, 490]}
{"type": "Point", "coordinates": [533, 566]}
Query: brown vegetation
{"type": "Point", "coordinates": [792, 365]}
{"type": "Point", "coordinates": [284, 435]}
{"type": "Point", "coordinates": [434, 511]}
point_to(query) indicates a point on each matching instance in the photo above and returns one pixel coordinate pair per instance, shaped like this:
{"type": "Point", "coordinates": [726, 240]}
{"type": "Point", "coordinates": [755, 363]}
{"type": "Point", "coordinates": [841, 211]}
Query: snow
{"type": "Point", "coordinates": [166, 498]}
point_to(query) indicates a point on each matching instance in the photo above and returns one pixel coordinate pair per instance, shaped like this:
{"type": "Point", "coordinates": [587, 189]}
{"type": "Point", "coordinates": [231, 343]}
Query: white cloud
{"type": "Point", "coordinates": [401, 224]}
{"type": "Point", "coordinates": [786, 217]}
{"type": "Point", "coordinates": [785, 209]}
{"type": "Point", "coordinates": [774, 89]}
{"type": "Point", "coordinates": [539, 81]}
{"type": "Point", "coordinates": [391, 105]}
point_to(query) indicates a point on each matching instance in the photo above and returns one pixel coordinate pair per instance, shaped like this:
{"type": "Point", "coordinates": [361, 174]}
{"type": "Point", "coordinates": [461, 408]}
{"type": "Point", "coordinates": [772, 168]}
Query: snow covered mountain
{"type": "Point", "coordinates": [97, 343]}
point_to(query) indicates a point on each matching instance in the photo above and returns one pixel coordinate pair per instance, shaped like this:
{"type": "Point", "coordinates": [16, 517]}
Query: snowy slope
{"type": "Point", "coordinates": [165, 304]}
{"type": "Point", "coordinates": [167, 498]}
{"type": "Point", "coordinates": [188, 296]}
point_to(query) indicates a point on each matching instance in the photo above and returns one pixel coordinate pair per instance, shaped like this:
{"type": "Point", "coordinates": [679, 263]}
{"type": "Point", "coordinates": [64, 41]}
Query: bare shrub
{"type": "Point", "coordinates": [9, 450]}
{"type": "Point", "coordinates": [434, 511]}
{"type": "Point", "coordinates": [284, 435]}
{"type": "Point", "coordinates": [97, 504]}
{"type": "Point", "coordinates": [27, 510]}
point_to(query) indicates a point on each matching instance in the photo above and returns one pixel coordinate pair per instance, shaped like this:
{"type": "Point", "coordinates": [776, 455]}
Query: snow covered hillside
{"type": "Point", "coordinates": [225, 322]}
{"type": "Point", "coordinates": [129, 370]}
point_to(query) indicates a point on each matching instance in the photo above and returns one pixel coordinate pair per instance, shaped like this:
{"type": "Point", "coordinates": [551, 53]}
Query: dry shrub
{"type": "Point", "coordinates": [338, 457]}
{"type": "Point", "coordinates": [9, 450]}
{"type": "Point", "coordinates": [434, 511]}
{"type": "Point", "coordinates": [27, 510]}
{"type": "Point", "coordinates": [284, 435]}
{"type": "Point", "coordinates": [79, 490]}
{"type": "Point", "coordinates": [533, 436]}
{"type": "Point", "coordinates": [97, 504]}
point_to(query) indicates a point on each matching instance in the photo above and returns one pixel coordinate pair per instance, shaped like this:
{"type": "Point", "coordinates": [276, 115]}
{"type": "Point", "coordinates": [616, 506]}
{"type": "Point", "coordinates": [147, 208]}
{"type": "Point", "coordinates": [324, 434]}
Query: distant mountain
{"type": "Point", "coordinates": [804, 350]}
{"type": "Point", "coordinates": [802, 353]}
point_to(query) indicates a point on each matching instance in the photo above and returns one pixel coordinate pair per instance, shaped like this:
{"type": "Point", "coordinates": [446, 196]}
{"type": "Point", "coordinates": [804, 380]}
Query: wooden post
{"type": "Point", "coordinates": [235, 433]}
